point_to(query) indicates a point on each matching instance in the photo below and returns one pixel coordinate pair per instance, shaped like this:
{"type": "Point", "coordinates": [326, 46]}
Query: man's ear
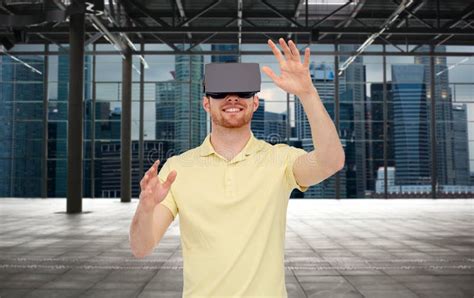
{"type": "Point", "coordinates": [206, 103]}
{"type": "Point", "coordinates": [256, 103]}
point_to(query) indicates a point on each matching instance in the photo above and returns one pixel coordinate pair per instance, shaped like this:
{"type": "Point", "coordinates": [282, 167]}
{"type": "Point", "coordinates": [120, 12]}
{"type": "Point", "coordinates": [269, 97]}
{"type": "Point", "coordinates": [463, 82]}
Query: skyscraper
{"type": "Point", "coordinates": [352, 124]}
{"type": "Point", "coordinates": [443, 114]}
{"type": "Point", "coordinates": [190, 117]}
{"type": "Point", "coordinates": [375, 131]}
{"type": "Point", "coordinates": [258, 120]}
{"type": "Point", "coordinates": [21, 127]}
{"type": "Point", "coordinates": [224, 58]}
{"type": "Point", "coordinates": [461, 145]}
{"type": "Point", "coordinates": [275, 127]}
{"type": "Point", "coordinates": [411, 134]}
{"type": "Point", "coordinates": [165, 100]}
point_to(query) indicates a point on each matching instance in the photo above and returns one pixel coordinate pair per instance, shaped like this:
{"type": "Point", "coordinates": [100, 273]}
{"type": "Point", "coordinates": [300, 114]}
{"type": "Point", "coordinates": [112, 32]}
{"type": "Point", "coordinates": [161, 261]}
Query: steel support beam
{"type": "Point", "coordinates": [142, 116]}
{"type": "Point", "coordinates": [125, 129]}
{"type": "Point", "coordinates": [251, 53]}
{"type": "Point", "coordinates": [353, 15]}
{"type": "Point", "coordinates": [434, 157]}
{"type": "Point", "coordinates": [94, 99]}
{"type": "Point", "coordinates": [206, 39]}
{"type": "Point", "coordinates": [200, 13]}
{"type": "Point", "coordinates": [331, 14]}
{"type": "Point", "coordinates": [385, 125]}
{"type": "Point", "coordinates": [44, 153]}
{"type": "Point", "coordinates": [336, 115]}
{"type": "Point", "coordinates": [182, 15]}
{"type": "Point", "coordinates": [280, 14]}
{"type": "Point", "coordinates": [275, 30]}
{"type": "Point", "coordinates": [74, 136]}
{"type": "Point", "coordinates": [146, 12]}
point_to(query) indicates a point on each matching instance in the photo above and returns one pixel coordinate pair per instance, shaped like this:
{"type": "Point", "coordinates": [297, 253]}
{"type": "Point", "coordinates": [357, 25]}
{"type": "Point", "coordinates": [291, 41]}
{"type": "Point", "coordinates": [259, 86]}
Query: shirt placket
{"type": "Point", "coordinates": [229, 180]}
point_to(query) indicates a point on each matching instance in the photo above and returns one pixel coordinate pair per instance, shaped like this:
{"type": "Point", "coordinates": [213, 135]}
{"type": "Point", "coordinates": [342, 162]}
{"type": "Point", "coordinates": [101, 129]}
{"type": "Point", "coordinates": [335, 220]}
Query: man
{"type": "Point", "coordinates": [232, 191]}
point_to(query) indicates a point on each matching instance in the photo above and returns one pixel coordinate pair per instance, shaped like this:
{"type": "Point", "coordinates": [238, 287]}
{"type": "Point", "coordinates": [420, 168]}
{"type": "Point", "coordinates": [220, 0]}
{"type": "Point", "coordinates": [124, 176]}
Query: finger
{"type": "Point", "coordinates": [306, 57]}
{"type": "Point", "coordinates": [143, 183]}
{"type": "Point", "coordinates": [294, 50]}
{"type": "Point", "coordinates": [269, 72]}
{"type": "Point", "coordinates": [276, 51]}
{"type": "Point", "coordinates": [286, 49]}
{"type": "Point", "coordinates": [171, 177]}
{"type": "Point", "coordinates": [155, 166]}
{"type": "Point", "coordinates": [145, 180]}
{"type": "Point", "coordinates": [150, 170]}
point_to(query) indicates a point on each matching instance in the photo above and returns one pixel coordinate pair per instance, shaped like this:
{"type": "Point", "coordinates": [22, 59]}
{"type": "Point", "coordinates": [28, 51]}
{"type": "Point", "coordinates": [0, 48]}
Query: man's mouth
{"type": "Point", "coordinates": [232, 110]}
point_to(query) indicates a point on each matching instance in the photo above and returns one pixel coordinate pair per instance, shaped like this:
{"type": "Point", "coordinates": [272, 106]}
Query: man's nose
{"type": "Point", "coordinates": [232, 97]}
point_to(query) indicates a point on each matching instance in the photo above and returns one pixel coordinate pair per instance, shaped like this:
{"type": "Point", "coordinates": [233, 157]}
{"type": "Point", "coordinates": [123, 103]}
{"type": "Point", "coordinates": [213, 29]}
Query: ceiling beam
{"type": "Point", "coordinates": [266, 29]}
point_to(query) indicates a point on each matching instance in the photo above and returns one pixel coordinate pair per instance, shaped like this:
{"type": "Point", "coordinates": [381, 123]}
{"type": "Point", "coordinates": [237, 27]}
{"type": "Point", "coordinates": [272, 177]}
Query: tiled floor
{"type": "Point", "coordinates": [346, 248]}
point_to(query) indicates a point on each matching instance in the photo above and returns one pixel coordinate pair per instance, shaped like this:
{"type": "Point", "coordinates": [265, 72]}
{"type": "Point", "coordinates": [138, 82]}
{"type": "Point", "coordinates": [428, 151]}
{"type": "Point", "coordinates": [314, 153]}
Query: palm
{"type": "Point", "coordinates": [160, 191]}
{"type": "Point", "coordinates": [294, 76]}
{"type": "Point", "coordinates": [153, 191]}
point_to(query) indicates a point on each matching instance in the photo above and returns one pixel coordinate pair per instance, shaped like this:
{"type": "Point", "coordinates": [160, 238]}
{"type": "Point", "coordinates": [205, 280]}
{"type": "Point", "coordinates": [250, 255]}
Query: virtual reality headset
{"type": "Point", "coordinates": [221, 79]}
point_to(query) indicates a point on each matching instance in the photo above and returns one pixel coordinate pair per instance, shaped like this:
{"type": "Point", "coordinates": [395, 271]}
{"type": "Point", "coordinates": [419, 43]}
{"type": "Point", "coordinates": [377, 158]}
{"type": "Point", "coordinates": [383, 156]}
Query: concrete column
{"type": "Point", "coordinates": [142, 115]}
{"type": "Point", "coordinates": [74, 137]}
{"type": "Point", "coordinates": [44, 155]}
{"type": "Point", "coordinates": [126, 123]}
{"type": "Point", "coordinates": [336, 114]}
{"type": "Point", "coordinates": [434, 157]}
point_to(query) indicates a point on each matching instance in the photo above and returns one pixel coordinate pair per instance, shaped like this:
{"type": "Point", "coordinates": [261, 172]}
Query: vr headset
{"type": "Point", "coordinates": [222, 79]}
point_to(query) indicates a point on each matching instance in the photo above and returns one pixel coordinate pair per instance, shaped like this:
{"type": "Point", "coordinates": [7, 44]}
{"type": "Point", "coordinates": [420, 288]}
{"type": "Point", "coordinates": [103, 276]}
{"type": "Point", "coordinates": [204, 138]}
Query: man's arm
{"type": "Point", "coordinates": [328, 156]}
{"type": "Point", "coordinates": [148, 228]}
{"type": "Point", "coordinates": [151, 219]}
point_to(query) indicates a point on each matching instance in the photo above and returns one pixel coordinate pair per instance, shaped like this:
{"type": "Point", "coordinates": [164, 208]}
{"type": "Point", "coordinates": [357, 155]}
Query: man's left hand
{"type": "Point", "coordinates": [294, 76]}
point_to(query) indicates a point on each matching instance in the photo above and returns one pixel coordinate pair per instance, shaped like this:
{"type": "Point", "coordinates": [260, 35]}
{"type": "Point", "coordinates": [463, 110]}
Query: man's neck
{"type": "Point", "coordinates": [228, 142]}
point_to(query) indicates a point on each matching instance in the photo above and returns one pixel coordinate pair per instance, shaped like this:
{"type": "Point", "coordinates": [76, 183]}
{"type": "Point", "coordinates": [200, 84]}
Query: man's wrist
{"type": "Point", "coordinates": [144, 209]}
{"type": "Point", "coordinates": [308, 95]}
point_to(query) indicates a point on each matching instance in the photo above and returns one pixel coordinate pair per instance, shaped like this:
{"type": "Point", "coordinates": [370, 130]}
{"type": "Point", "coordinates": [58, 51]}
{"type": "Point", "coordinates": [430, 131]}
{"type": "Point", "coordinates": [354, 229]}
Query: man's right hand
{"type": "Point", "coordinates": [152, 190]}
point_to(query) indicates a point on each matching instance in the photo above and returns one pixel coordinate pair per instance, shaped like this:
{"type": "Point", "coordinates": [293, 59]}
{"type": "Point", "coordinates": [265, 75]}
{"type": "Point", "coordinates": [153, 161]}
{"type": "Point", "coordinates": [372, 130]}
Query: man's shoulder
{"type": "Point", "coordinates": [281, 148]}
{"type": "Point", "coordinates": [184, 156]}
{"type": "Point", "coordinates": [276, 146]}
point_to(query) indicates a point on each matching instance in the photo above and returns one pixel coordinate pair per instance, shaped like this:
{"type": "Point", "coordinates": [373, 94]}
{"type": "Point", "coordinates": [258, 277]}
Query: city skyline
{"type": "Point", "coordinates": [355, 93]}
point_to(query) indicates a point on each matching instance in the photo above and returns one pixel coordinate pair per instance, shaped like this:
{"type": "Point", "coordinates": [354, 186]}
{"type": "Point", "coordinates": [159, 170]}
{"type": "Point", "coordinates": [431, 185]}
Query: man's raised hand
{"type": "Point", "coordinates": [153, 191]}
{"type": "Point", "coordinates": [294, 75]}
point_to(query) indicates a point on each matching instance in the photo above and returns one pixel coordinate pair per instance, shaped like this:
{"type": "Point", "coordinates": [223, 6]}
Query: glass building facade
{"type": "Point", "coordinates": [384, 105]}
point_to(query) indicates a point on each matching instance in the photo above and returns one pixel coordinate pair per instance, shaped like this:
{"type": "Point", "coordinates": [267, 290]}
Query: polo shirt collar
{"type": "Point", "coordinates": [253, 145]}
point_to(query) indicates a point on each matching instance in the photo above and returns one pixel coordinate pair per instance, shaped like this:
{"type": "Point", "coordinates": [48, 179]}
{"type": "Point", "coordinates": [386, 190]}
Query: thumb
{"type": "Point", "coordinates": [170, 179]}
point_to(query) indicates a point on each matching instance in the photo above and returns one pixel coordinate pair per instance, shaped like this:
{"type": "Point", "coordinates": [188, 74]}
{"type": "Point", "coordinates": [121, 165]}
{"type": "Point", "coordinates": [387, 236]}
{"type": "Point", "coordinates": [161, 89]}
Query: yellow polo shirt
{"type": "Point", "coordinates": [232, 218]}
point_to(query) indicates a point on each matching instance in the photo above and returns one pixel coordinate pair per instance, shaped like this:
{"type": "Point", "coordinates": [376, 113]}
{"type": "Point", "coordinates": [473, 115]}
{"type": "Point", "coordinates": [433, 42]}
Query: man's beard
{"type": "Point", "coordinates": [219, 118]}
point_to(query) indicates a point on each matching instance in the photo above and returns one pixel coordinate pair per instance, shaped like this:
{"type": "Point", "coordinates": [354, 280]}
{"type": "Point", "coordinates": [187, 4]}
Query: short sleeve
{"type": "Point", "coordinates": [293, 154]}
{"type": "Point", "coordinates": [169, 202]}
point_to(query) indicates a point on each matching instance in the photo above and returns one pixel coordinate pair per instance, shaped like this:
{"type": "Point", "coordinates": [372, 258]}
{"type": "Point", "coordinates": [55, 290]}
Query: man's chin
{"type": "Point", "coordinates": [228, 124]}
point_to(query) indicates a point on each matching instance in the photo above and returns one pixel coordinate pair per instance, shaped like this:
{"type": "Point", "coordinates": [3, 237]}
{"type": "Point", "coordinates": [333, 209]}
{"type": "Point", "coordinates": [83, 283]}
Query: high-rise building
{"type": "Point", "coordinates": [165, 100]}
{"type": "Point", "coordinates": [258, 120]}
{"type": "Point", "coordinates": [410, 131]}
{"type": "Point", "coordinates": [108, 170]}
{"type": "Point", "coordinates": [461, 145]}
{"type": "Point", "coordinates": [21, 127]}
{"type": "Point", "coordinates": [190, 117]}
{"type": "Point", "coordinates": [275, 127]}
{"type": "Point", "coordinates": [352, 123]}
{"type": "Point", "coordinates": [443, 114]}
{"type": "Point", "coordinates": [375, 122]}
{"type": "Point", "coordinates": [224, 58]}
